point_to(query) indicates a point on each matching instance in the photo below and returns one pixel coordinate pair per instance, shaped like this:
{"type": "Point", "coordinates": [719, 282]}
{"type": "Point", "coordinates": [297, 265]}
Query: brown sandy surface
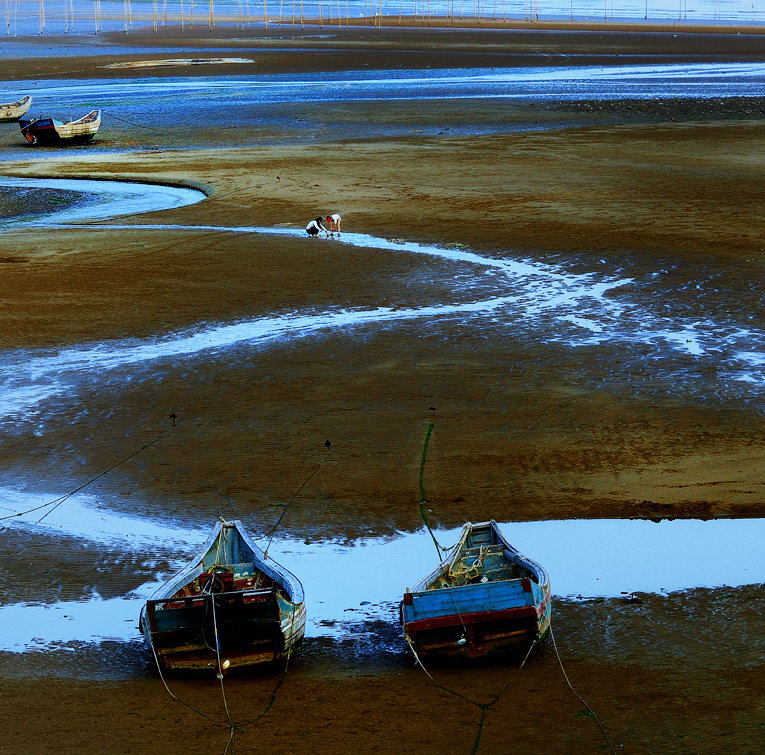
{"type": "Point", "coordinates": [525, 430]}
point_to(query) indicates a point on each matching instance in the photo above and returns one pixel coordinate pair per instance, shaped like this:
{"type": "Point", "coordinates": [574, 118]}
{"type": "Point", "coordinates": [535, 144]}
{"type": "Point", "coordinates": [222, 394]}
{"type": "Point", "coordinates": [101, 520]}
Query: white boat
{"type": "Point", "coordinates": [12, 111]}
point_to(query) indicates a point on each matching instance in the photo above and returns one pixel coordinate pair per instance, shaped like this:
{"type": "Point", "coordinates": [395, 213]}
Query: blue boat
{"type": "Point", "coordinates": [231, 607]}
{"type": "Point", "coordinates": [484, 599]}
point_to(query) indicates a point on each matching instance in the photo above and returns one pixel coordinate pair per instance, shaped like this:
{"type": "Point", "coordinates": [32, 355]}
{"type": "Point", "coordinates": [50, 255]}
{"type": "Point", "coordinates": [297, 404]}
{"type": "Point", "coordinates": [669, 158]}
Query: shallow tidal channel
{"type": "Point", "coordinates": [348, 584]}
{"type": "Point", "coordinates": [363, 580]}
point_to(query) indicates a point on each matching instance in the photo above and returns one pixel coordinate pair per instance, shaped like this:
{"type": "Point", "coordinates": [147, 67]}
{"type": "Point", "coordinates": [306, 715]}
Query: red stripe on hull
{"type": "Point", "coordinates": [471, 618]}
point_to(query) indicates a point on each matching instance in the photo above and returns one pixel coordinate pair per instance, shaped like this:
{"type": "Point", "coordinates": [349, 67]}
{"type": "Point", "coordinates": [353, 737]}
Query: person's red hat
{"type": "Point", "coordinates": [329, 217]}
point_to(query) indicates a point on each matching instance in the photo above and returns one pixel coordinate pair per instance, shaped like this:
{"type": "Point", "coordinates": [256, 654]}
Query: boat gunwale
{"type": "Point", "coordinates": [26, 99]}
{"type": "Point", "coordinates": [203, 596]}
{"type": "Point", "coordinates": [194, 568]}
{"type": "Point", "coordinates": [451, 553]}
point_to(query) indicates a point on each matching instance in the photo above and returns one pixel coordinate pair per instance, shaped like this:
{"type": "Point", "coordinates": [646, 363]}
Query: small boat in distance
{"type": "Point", "coordinates": [12, 111]}
{"type": "Point", "coordinates": [484, 599]}
{"type": "Point", "coordinates": [50, 131]}
{"type": "Point", "coordinates": [231, 605]}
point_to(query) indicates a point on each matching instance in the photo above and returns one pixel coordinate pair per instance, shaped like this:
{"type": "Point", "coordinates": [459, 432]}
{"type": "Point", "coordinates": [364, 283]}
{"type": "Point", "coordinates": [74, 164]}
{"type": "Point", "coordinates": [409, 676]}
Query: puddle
{"type": "Point", "coordinates": [169, 62]}
{"type": "Point", "coordinates": [349, 583]}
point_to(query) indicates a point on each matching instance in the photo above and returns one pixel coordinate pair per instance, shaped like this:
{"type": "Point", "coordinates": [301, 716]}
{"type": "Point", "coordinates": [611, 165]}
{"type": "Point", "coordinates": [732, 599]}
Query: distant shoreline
{"type": "Point", "coordinates": [444, 22]}
{"type": "Point", "coordinates": [142, 22]}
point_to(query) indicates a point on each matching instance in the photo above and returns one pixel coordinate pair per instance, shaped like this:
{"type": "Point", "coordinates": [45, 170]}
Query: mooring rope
{"type": "Point", "coordinates": [174, 696]}
{"type": "Point", "coordinates": [12, 134]}
{"type": "Point", "coordinates": [583, 701]}
{"type": "Point", "coordinates": [272, 531]}
{"type": "Point", "coordinates": [483, 707]}
{"type": "Point", "coordinates": [231, 725]}
{"type": "Point", "coordinates": [131, 123]}
{"type": "Point", "coordinates": [56, 502]}
{"type": "Point", "coordinates": [423, 459]}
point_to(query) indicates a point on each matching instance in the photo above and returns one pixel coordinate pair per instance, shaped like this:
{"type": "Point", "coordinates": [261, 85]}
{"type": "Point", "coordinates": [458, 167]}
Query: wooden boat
{"type": "Point", "coordinates": [12, 111]}
{"type": "Point", "coordinates": [50, 131]}
{"type": "Point", "coordinates": [484, 599]}
{"type": "Point", "coordinates": [232, 604]}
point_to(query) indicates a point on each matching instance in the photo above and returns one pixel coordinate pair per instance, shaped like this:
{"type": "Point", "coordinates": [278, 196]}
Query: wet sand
{"type": "Point", "coordinates": [526, 428]}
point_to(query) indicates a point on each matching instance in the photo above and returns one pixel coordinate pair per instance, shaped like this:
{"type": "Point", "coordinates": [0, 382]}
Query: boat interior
{"type": "Point", "coordinates": [241, 578]}
{"type": "Point", "coordinates": [484, 563]}
{"type": "Point", "coordinates": [483, 557]}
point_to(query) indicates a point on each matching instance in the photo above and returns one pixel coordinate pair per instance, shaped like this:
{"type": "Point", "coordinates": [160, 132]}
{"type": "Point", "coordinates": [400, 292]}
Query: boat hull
{"type": "Point", "coordinates": [471, 635]}
{"type": "Point", "coordinates": [48, 131]}
{"type": "Point", "coordinates": [484, 600]}
{"type": "Point", "coordinates": [231, 607]}
{"type": "Point", "coordinates": [12, 111]}
{"type": "Point", "coordinates": [249, 632]}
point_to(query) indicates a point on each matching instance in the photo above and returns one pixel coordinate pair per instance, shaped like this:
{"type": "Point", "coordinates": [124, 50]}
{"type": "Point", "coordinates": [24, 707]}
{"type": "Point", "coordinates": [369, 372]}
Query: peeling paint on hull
{"type": "Point", "coordinates": [485, 599]}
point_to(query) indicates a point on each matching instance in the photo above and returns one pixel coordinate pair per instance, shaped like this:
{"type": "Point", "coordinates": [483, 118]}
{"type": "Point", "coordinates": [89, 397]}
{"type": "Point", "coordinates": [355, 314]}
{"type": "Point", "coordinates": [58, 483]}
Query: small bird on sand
{"type": "Point", "coordinates": [327, 444]}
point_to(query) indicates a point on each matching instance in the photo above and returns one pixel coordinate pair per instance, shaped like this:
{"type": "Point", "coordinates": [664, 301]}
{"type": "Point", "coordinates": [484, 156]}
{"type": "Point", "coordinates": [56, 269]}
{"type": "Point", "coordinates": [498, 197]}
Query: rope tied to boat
{"type": "Point", "coordinates": [56, 502]}
{"type": "Point", "coordinates": [272, 531]}
{"type": "Point", "coordinates": [132, 123]}
{"type": "Point", "coordinates": [484, 707]}
{"type": "Point", "coordinates": [232, 727]}
{"type": "Point", "coordinates": [424, 457]}
{"type": "Point", "coordinates": [583, 701]}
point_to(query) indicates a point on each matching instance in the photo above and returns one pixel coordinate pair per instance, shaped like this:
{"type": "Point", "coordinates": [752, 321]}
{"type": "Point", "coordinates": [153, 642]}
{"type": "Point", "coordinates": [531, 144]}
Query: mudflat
{"type": "Point", "coordinates": [527, 427]}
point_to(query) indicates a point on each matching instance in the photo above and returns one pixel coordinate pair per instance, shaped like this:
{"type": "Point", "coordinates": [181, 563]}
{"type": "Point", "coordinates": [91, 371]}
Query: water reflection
{"type": "Point", "coordinates": [347, 583]}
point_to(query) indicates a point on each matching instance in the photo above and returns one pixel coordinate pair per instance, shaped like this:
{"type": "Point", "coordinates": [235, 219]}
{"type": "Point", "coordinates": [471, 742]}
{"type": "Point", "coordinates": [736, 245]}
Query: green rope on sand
{"type": "Point", "coordinates": [423, 514]}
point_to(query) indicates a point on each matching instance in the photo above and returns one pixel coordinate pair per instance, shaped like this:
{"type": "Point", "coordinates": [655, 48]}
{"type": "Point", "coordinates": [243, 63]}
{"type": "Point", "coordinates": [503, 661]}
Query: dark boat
{"type": "Point", "coordinates": [231, 607]}
{"type": "Point", "coordinates": [484, 599]}
{"type": "Point", "coordinates": [50, 131]}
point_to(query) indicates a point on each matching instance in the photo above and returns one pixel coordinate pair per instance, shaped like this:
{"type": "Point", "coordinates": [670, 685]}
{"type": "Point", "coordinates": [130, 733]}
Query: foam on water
{"type": "Point", "coordinates": [533, 296]}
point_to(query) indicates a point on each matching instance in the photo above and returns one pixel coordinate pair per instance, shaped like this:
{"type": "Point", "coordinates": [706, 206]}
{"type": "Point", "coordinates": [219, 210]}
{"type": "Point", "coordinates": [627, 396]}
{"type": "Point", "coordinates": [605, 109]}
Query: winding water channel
{"type": "Point", "coordinates": [509, 296]}
{"type": "Point", "coordinates": [602, 558]}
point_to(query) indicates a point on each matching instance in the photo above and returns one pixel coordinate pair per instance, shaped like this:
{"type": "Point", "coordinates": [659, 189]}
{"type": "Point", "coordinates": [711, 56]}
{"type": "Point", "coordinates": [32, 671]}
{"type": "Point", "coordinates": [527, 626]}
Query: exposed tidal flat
{"type": "Point", "coordinates": [564, 257]}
